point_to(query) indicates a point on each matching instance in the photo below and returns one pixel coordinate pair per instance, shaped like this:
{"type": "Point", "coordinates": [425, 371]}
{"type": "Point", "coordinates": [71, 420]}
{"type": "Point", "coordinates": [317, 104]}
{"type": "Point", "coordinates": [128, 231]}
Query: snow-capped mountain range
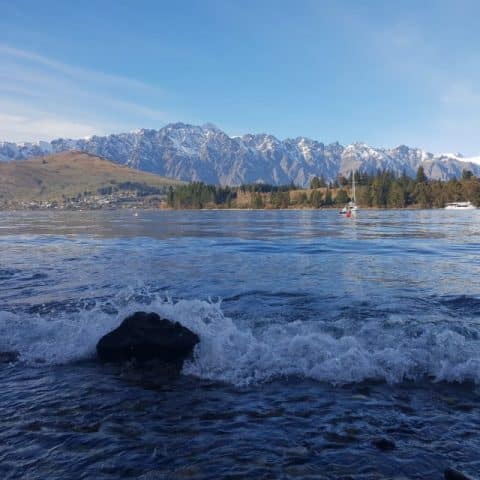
{"type": "Point", "coordinates": [206, 153]}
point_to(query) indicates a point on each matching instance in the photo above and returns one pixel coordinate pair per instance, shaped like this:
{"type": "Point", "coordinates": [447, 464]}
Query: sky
{"type": "Point", "coordinates": [381, 72]}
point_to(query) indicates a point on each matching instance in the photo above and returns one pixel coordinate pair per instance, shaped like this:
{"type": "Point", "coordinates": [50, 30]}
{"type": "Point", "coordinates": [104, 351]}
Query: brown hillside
{"type": "Point", "coordinates": [67, 174]}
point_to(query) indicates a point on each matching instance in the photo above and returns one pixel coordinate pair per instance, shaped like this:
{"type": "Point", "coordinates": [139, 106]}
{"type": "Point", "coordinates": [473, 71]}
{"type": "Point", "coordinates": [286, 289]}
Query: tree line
{"type": "Point", "coordinates": [383, 189]}
{"type": "Point", "coordinates": [200, 195]}
{"type": "Point", "coordinates": [386, 190]}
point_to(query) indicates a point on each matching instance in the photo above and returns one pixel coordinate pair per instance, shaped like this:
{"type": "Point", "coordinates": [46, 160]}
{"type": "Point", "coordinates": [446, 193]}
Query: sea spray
{"type": "Point", "coordinates": [390, 349]}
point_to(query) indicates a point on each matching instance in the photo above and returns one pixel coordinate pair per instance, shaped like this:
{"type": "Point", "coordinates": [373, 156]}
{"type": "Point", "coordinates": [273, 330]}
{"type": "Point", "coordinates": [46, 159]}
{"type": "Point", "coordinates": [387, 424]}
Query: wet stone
{"type": "Point", "coordinates": [452, 474]}
{"type": "Point", "coordinates": [384, 444]}
{"type": "Point", "coordinates": [8, 357]}
{"type": "Point", "coordinates": [34, 426]}
{"type": "Point", "coordinates": [146, 337]}
{"type": "Point", "coordinates": [465, 407]}
{"type": "Point", "coordinates": [89, 428]}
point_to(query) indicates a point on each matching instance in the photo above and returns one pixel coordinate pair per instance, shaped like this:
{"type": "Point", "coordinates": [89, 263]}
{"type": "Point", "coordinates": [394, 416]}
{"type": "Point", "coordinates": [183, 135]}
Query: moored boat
{"type": "Point", "coordinates": [351, 207]}
{"type": "Point", "coordinates": [460, 206]}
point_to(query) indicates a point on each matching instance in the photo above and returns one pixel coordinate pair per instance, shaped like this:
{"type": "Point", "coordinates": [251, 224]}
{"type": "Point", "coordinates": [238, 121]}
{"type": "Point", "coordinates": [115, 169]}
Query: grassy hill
{"type": "Point", "coordinates": [72, 174]}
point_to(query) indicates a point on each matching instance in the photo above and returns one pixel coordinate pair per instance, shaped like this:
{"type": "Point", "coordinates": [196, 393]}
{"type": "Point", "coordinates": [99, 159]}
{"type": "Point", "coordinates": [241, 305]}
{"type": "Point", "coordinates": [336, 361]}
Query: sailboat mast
{"type": "Point", "coordinates": [353, 185]}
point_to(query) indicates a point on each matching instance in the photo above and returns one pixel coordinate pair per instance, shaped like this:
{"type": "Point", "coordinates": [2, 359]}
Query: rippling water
{"type": "Point", "coordinates": [319, 335]}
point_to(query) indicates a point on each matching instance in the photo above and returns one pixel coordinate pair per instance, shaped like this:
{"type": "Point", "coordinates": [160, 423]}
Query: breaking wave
{"type": "Point", "coordinates": [392, 349]}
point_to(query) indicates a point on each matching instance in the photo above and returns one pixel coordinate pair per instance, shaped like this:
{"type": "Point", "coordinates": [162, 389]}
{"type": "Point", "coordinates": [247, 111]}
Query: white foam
{"type": "Point", "coordinates": [393, 349]}
{"type": "Point", "coordinates": [62, 339]}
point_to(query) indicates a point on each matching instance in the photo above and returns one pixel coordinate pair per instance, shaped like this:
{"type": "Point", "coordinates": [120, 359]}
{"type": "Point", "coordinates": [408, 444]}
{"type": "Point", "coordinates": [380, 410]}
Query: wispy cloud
{"type": "Point", "coordinates": [43, 98]}
{"type": "Point", "coordinates": [41, 125]}
{"type": "Point", "coordinates": [75, 72]}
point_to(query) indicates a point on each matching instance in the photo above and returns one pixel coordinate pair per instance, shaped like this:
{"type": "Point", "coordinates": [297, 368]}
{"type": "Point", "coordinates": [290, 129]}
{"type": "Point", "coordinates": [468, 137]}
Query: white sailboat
{"type": "Point", "coordinates": [351, 207]}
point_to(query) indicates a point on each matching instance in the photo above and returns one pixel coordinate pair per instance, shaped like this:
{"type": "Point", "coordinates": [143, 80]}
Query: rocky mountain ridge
{"type": "Point", "coordinates": [206, 153]}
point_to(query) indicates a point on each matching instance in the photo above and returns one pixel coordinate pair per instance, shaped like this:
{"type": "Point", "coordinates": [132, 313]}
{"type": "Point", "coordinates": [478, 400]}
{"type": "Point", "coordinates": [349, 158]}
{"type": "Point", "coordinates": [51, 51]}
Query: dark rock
{"type": "Point", "coordinates": [451, 474]}
{"type": "Point", "coordinates": [144, 337]}
{"type": "Point", "coordinates": [465, 407]}
{"type": "Point", "coordinates": [34, 426]}
{"type": "Point", "coordinates": [384, 444]}
{"type": "Point", "coordinates": [9, 357]}
{"type": "Point", "coordinates": [89, 428]}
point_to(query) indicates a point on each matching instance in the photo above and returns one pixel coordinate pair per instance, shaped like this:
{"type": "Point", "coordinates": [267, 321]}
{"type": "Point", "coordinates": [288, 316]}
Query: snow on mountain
{"type": "Point", "coordinates": [206, 153]}
{"type": "Point", "coordinates": [461, 158]}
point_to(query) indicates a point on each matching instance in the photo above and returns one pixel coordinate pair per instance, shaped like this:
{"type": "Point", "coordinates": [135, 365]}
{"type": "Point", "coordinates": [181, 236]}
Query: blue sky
{"type": "Point", "coordinates": [382, 72]}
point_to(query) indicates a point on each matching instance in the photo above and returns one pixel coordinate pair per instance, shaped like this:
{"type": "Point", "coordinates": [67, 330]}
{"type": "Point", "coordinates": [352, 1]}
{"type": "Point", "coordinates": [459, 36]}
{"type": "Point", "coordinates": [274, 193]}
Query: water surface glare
{"type": "Point", "coordinates": [319, 335]}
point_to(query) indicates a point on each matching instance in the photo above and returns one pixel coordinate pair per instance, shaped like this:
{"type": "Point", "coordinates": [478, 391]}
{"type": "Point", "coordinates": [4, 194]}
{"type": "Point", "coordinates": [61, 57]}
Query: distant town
{"type": "Point", "coordinates": [90, 202]}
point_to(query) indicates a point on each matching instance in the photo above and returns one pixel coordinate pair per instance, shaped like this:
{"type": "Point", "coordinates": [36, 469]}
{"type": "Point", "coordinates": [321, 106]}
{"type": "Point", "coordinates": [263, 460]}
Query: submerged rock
{"type": "Point", "coordinates": [384, 444]}
{"type": "Point", "coordinates": [451, 474]}
{"type": "Point", "coordinates": [9, 357]}
{"type": "Point", "coordinates": [146, 336]}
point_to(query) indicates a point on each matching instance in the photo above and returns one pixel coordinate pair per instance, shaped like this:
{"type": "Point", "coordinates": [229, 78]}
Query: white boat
{"type": "Point", "coordinates": [460, 206]}
{"type": "Point", "coordinates": [351, 207]}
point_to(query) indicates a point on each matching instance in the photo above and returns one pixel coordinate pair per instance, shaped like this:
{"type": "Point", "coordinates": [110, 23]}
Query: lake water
{"type": "Point", "coordinates": [319, 336]}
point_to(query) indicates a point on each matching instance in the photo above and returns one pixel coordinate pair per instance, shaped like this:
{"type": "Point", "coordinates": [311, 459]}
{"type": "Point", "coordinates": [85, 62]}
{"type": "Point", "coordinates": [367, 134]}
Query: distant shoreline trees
{"type": "Point", "coordinates": [383, 189]}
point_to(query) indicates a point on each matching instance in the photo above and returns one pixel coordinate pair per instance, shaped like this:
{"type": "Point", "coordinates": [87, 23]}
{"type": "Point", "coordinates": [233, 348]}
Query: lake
{"type": "Point", "coordinates": [331, 348]}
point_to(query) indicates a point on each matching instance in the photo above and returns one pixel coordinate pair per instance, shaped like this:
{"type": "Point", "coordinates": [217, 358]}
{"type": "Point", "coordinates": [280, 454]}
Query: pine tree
{"type": "Point", "coordinates": [342, 196]}
{"type": "Point", "coordinates": [170, 197]}
{"type": "Point", "coordinates": [257, 201]}
{"type": "Point", "coordinates": [316, 199]}
{"type": "Point", "coordinates": [422, 194]}
{"type": "Point", "coordinates": [315, 183]}
{"type": "Point", "coordinates": [328, 197]}
{"type": "Point", "coordinates": [421, 177]}
{"type": "Point", "coordinates": [396, 196]}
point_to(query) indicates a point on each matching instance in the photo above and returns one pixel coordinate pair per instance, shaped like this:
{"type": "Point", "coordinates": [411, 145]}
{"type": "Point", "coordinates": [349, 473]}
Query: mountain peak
{"type": "Point", "coordinates": [205, 153]}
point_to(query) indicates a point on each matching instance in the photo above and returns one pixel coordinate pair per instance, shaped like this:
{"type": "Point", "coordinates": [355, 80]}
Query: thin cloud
{"type": "Point", "coordinates": [76, 72]}
{"type": "Point", "coordinates": [48, 99]}
{"type": "Point", "coordinates": [19, 127]}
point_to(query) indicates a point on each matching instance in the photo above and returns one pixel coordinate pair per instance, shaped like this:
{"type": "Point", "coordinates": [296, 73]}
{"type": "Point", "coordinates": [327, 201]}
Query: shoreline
{"type": "Point", "coordinates": [327, 209]}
